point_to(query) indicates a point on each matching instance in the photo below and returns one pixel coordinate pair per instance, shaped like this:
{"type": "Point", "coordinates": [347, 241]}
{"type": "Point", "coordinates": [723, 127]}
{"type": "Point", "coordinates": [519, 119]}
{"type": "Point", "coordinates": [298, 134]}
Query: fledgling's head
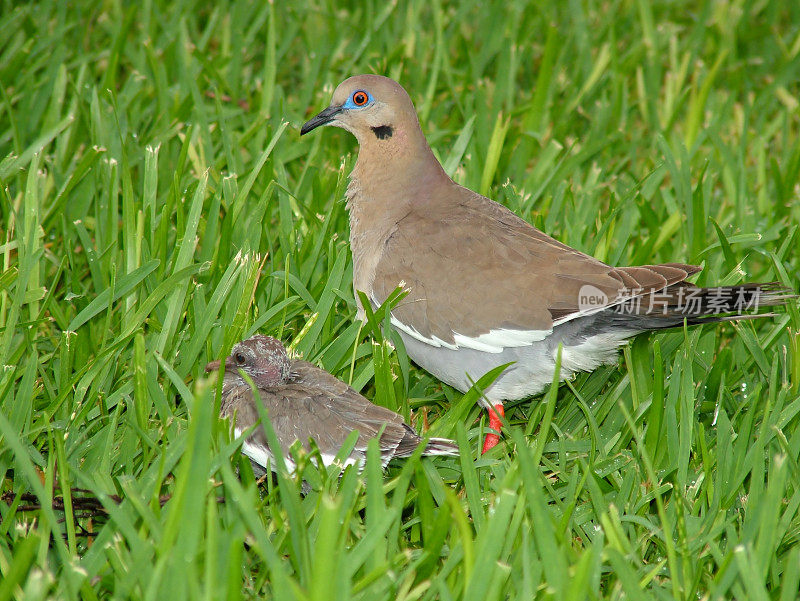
{"type": "Point", "coordinates": [263, 358]}
{"type": "Point", "coordinates": [372, 108]}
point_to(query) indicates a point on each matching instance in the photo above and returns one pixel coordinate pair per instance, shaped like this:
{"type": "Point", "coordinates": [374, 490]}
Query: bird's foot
{"type": "Point", "coordinates": [495, 413]}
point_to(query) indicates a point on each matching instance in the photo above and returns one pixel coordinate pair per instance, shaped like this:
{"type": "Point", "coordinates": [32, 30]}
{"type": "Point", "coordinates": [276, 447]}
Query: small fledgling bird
{"type": "Point", "coordinates": [304, 401]}
{"type": "Point", "coordinates": [485, 287]}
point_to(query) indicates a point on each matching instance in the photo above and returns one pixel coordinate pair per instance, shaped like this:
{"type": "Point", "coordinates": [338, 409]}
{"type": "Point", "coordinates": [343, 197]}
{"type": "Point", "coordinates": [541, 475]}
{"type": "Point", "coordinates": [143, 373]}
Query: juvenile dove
{"type": "Point", "coordinates": [304, 401]}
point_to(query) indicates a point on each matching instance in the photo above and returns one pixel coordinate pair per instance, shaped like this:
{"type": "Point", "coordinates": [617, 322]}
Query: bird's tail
{"type": "Point", "coordinates": [441, 446]}
{"type": "Point", "coordinates": [669, 307]}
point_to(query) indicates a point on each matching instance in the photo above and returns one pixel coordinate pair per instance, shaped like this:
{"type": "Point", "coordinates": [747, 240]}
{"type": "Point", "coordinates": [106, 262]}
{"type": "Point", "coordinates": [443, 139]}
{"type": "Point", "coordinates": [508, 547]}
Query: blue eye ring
{"type": "Point", "coordinates": [358, 99]}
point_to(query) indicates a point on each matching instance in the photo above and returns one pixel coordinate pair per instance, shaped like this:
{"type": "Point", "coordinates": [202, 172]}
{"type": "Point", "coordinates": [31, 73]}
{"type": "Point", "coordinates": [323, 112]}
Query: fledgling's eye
{"type": "Point", "coordinates": [240, 359]}
{"type": "Point", "coordinates": [360, 98]}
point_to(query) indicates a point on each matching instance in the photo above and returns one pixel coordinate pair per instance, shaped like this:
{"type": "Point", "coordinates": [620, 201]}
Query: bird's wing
{"type": "Point", "coordinates": [239, 402]}
{"type": "Point", "coordinates": [316, 404]}
{"type": "Point", "coordinates": [479, 276]}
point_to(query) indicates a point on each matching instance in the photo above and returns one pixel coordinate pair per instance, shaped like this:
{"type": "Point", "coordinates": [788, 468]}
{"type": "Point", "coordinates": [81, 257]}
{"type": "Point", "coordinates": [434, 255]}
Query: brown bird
{"type": "Point", "coordinates": [485, 287]}
{"type": "Point", "coordinates": [304, 401]}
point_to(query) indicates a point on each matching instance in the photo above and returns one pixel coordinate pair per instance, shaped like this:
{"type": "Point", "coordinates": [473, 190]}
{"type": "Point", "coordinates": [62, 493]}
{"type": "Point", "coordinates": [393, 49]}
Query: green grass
{"type": "Point", "coordinates": [155, 207]}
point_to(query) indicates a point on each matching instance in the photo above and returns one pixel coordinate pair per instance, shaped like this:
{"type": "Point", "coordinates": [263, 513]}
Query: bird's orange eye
{"type": "Point", "coordinates": [360, 98]}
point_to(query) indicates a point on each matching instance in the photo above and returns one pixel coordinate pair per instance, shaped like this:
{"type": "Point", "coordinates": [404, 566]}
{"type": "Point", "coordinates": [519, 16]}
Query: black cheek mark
{"type": "Point", "coordinates": [383, 132]}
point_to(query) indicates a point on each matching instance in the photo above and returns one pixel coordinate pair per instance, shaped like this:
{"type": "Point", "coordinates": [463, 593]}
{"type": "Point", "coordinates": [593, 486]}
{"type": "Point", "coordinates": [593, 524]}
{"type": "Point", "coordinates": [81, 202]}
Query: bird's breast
{"type": "Point", "coordinates": [371, 225]}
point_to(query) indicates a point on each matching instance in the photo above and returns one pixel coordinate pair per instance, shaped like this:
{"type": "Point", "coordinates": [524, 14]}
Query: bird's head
{"type": "Point", "coordinates": [263, 358]}
{"type": "Point", "coordinates": [371, 107]}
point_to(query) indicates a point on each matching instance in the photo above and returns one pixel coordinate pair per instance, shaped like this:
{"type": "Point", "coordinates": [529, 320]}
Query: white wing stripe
{"type": "Point", "coordinates": [261, 455]}
{"type": "Point", "coordinates": [493, 341]}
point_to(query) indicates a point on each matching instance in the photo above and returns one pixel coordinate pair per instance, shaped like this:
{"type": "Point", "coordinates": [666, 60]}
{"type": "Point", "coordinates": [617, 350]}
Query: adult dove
{"type": "Point", "coordinates": [485, 287]}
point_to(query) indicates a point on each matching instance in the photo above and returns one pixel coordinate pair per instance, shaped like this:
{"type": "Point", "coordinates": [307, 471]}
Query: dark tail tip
{"type": "Point", "coordinates": [705, 305]}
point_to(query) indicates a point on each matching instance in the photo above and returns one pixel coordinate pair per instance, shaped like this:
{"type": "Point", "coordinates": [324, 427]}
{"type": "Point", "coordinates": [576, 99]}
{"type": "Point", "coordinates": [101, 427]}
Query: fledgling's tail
{"type": "Point", "coordinates": [441, 446]}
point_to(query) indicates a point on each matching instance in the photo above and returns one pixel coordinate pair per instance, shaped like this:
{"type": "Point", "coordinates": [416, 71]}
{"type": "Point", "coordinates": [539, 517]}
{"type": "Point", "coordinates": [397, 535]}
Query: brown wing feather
{"type": "Point", "coordinates": [476, 266]}
{"type": "Point", "coordinates": [336, 409]}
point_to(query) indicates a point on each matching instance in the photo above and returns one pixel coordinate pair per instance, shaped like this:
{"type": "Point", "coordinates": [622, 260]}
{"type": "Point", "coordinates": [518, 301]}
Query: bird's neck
{"type": "Point", "coordinates": [391, 176]}
{"type": "Point", "coordinates": [391, 179]}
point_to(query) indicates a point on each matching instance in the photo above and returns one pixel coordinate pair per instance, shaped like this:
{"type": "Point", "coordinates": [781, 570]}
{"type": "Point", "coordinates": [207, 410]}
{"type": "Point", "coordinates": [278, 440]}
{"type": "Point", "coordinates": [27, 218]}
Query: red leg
{"type": "Point", "coordinates": [495, 424]}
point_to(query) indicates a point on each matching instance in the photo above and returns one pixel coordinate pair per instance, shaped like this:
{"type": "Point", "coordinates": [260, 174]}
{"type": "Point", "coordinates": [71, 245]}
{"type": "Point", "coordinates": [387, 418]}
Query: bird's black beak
{"type": "Point", "coordinates": [326, 116]}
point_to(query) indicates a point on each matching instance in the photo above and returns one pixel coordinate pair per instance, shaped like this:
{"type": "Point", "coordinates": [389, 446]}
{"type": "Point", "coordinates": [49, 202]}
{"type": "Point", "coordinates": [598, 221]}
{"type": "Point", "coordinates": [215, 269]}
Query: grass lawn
{"type": "Point", "coordinates": [157, 205]}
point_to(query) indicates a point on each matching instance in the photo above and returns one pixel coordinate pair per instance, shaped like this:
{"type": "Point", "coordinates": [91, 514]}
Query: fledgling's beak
{"type": "Point", "coordinates": [322, 118]}
{"type": "Point", "coordinates": [215, 365]}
